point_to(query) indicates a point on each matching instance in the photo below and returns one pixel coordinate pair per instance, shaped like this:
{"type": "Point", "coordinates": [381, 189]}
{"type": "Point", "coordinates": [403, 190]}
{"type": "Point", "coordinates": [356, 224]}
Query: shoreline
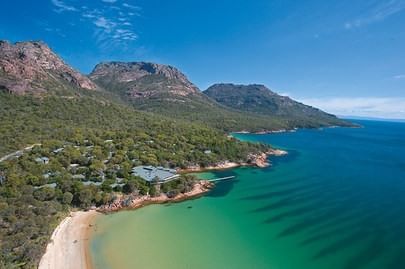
{"type": "Point", "coordinates": [69, 245]}
{"type": "Point", "coordinates": [257, 160]}
{"type": "Point", "coordinates": [130, 202]}
{"type": "Point", "coordinates": [295, 129]}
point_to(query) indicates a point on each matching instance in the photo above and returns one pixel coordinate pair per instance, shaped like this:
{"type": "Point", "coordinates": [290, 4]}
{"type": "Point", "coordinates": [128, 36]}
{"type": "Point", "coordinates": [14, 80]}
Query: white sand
{"type": "Point", "coordinates": [69, 244]}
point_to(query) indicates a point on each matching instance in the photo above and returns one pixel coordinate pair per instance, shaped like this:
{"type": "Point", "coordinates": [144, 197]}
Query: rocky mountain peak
{"type": "Point", "coordinates": [259, 99]}
{"type": "Point", "coordinates": [27, 66]}
{"type": "Point", "coordinates": [143, 79]}
{"type": "Point", "coordinates": [132, 71]}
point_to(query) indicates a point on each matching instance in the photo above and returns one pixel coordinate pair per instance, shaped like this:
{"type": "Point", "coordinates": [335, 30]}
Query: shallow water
{"type": "Point", "coordinates": [336, 201]}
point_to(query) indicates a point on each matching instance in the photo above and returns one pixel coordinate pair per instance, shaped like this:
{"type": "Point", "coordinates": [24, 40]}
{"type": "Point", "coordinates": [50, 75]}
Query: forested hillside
{"type": "Point", "coordinates": [34, 195]}
{"type": "Point", "coordinates": [87, 142]}
{"type": "Point", "coordinates": [262, 101]}
{"type": "Point", "coordinates": [164, 90]}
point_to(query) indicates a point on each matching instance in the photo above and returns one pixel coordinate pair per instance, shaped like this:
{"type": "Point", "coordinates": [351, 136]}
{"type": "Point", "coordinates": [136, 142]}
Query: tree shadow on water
{"type": "Point", "coordinates": [372, 252]}
{"type": "Point", "coordinates": [340, 245]}
{"type": "Point", "coordinates": [291, 191]}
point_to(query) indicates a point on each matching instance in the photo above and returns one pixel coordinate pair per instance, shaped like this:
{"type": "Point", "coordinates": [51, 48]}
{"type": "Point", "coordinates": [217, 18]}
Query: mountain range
{"type": "Point", "coordinates": [165, 90]}
{"type": "Point", "coordinates": [34, 76]}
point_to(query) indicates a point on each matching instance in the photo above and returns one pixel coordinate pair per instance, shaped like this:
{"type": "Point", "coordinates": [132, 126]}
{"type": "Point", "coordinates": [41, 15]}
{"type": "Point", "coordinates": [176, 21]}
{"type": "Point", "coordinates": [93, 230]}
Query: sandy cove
{"type": "Point", "coordinates": [69, 244]}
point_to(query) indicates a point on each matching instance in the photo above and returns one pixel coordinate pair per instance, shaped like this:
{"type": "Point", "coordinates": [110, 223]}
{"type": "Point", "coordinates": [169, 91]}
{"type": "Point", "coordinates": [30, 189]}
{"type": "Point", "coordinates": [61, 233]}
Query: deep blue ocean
{"type": "Point", "coordinates": [336, 201]}
{"type": "Point", "coordinates": [347, 192]}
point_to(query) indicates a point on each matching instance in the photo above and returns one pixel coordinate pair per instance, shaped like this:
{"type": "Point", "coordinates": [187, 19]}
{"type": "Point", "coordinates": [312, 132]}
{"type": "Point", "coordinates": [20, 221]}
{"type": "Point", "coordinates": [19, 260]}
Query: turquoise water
{"type": "Point", "coordinates": [336, 201]}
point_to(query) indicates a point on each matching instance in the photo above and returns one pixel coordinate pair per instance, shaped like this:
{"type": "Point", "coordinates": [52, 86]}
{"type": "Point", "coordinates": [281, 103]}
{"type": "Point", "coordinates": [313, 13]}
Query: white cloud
{"type": "Point", "coordinates": [62, 6]}
{"type": "Point", "coordinates": [378, 13]}
{"type": "Point", "coordinates": [112, 23]}
{"type": "Point", "coordinates": [401, 76]}
{"type": "Point", "coordinates": [389, 107]}
{"type": "Point", "coordinates": [130, 6]}
{"type": "Point", "coordinates": [104, 23]}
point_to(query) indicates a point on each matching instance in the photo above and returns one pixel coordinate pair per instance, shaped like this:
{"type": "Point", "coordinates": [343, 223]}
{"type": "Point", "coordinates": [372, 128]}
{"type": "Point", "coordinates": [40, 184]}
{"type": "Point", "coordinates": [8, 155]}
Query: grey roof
{"type": "Point", "coordinates": [117, 184]}
{"type": "Point", "coordinates": [148, 173]}
{"type": "Point", "coordinates": [42, 159]}
{"type": "Point", "coordinates": [51, 185]}
{"type": "Point", "coordinates": [79, 176]}
{"type": "Point", "coordinates": [87, 183]}
{"type": "Point", "coordinates": [58, 150]}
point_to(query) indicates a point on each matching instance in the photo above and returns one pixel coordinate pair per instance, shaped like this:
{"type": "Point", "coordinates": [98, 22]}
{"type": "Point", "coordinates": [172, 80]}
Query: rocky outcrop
{"type": "Point", "coordinates": [137, 201]}
{"type": "Point", "coordinates": [253, 159]}
{"type": "Point", "coordinates": [131, 71]}
{"type": "Point", "coordinates": [261, 159]}
{"type": "Point", "coordinates": [32, 67]}
{"type": "Point", "coordinates": [142, 79]}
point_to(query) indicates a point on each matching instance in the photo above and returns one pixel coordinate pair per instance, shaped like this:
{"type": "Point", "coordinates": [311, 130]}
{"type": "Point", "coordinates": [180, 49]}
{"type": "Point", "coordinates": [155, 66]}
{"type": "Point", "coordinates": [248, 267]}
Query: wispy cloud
{"type": "Point", "coordinates": [130, 6]}
{"type": "Point", "coordinates": [111, 20]}
{"type": "Point", "coordinates": [393, 108]}
{"type": "Point", "coordinates": [104, 23]}
{"type": "Point", "coordinates": [62, 6]}
{"type": "Point", "coordinates": [377, 13]}
{"type": "Point", "coordinates": [401, 76]}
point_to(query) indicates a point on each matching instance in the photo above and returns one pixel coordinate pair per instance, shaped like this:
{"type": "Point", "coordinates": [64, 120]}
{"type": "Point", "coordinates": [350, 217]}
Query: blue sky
{"type": "Point", "coordinates": [347, 57]}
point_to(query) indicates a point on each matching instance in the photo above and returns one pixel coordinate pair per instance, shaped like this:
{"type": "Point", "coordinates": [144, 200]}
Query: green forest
{"type": "Point", "coordinates": [90, 145]}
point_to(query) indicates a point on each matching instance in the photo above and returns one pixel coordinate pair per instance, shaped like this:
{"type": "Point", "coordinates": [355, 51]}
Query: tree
{"type": "Point", "coordinates": [85, 197]}
{"type": "Point", "coordinates": [152, 191]}
{"type": "Point", "coordinates": [67, 198]}
{"type": "Point", "coordinates": [129, 187]}
{"type": "Point", "coordinates": [106, 187]}
{"type": "Point", "coordinates": [97, 166]}
{"type": "Point", "coordinates": [33, 180]}
{"type": "Point", "coordinates": [44, 194]}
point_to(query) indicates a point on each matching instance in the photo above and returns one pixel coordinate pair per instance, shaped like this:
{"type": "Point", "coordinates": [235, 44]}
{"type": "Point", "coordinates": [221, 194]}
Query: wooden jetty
{"type": "Point", "coordinates": [221, 179]}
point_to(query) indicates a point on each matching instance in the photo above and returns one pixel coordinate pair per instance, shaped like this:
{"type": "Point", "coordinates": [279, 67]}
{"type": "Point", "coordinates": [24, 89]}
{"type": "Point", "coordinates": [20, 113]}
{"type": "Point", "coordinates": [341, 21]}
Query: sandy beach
{"type": "Point", "coordinates": [69, 245]}
{"type": "Point", "coordinates": [68, 248]}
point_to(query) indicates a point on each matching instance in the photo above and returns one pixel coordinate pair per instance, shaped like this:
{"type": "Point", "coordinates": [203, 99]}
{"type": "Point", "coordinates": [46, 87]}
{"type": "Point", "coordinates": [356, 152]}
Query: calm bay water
{"type": "Point", "coordinates": [336, 201]}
